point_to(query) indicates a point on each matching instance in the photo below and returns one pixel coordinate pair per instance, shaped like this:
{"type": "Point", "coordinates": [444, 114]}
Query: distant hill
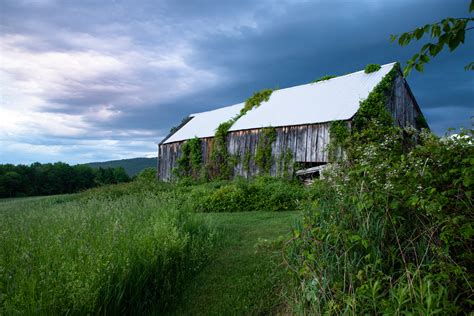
{"type": "Point", "coordinates": [132, 166]}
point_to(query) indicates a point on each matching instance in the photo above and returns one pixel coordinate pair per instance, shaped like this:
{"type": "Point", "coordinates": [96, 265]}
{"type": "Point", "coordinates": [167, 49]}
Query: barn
{"type": "Point", "coordinates": [293, 124]}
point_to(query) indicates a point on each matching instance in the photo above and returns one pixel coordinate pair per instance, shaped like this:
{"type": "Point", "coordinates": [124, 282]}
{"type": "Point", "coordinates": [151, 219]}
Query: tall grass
{"type": "Point", "coordinates": [121, 248]}
{"type": "Point", "coordinates": [98, 253]}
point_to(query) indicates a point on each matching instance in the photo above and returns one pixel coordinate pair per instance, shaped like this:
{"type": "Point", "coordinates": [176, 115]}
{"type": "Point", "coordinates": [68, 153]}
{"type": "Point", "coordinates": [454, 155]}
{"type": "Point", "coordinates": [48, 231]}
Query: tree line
{"type": "Point", "coordinates": [54, 178]}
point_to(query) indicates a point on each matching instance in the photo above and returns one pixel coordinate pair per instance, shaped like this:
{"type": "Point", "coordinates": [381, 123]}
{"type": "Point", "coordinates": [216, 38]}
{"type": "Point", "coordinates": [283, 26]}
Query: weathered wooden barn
{"type": "Point", "coordinates": [301, 117]}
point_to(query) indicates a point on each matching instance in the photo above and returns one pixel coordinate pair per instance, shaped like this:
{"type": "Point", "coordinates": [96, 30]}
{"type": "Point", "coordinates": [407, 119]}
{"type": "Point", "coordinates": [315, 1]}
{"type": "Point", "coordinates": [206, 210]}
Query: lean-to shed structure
{"type": "Point", "coordinates": [301, 118]}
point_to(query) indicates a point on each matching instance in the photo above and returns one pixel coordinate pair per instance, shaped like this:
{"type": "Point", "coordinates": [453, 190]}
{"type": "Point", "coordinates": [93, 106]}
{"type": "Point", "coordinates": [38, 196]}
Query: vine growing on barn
{"type": "Point", "coordinates": [263, 155]}
{"type": "Point", "coordinates": [219, 160]}
{"type": "Point", "coordinates": [324, 78]}
{"type": "Point", "coordinates": [339, 131]}
{"type": "Point", "coordinates": [373, 109]}
{"type": "Point", "coordinates": [190, 162]}
{"type": "Point", "coordinates": [246, 161]}
{"type": "Point", "coordinates": [372, 68]}
{"type": "Point", "coordinates": [254, 101]}
{"type": "Point", "coordinates": [284, 163]}
{"type": "Point", "coordinates": [221, 163]}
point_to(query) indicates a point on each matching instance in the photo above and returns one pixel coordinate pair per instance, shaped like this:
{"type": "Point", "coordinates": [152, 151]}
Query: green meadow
{"type": "Point", "coordinates": [140, 248]}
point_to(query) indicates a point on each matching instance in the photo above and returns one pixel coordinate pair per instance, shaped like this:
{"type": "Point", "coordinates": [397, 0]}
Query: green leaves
{"type": "Point", "coordinates": [189, 163]}
{"type": "Point", "coordinates": [469, 66]}
{"type": "Point", "coordinates": [371, 68]}
{"type": "Point", "coordinates": [372, 111]}
{"type": "Point", "coordinates": [221, 160]}
{"type": "Point", "coordinates": [263, 154]}
{"type": "Point", "coordinates": [255, 101]}
{"type": "Point", "coordinates": [449, 31]}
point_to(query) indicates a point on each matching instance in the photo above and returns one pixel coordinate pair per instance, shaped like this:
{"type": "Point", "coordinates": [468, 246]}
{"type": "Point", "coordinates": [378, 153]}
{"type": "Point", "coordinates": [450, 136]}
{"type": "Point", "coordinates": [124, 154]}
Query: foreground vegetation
{"type": "Point", "coordinates": [133, 247]}
{"type": "Point", "coordinates": [95, 254]}
{"type": "Point", "coordinates": [390, 229]}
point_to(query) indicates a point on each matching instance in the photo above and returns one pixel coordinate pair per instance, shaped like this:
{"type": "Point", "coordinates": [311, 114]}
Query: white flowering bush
{"type": "Point", "coordinates": [389, 230]}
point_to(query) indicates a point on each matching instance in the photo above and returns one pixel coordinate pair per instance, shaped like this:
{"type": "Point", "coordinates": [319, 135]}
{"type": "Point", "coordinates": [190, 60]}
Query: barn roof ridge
{"type": "Point", "coordinates": [333, 99]}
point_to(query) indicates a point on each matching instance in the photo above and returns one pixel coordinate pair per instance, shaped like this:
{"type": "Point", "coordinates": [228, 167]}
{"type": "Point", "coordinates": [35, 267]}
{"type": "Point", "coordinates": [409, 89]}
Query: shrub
{"type": "Point", "coordinates": [240, 195]}
{"type": "Point", "coordinates": [390, 230]}
{"type": "Point", "coordinates": [147, 175]}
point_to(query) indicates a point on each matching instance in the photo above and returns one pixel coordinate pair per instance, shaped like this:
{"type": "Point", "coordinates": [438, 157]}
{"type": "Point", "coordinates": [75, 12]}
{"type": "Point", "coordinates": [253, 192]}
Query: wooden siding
{"type": "Point", "coordinates": [402, 105]}
{"type": "Point", "coordinates": [306, 143]}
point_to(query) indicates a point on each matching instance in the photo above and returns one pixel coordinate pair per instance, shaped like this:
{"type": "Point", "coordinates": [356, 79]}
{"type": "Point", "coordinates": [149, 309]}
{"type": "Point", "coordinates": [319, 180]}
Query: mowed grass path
{"type": "Point", "coordinates": [244, 275]}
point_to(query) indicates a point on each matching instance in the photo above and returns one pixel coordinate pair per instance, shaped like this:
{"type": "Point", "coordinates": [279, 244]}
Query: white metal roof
{"type": "Point", "coordinates": [324, 101]}
{"type": "Point", "coordinates": [204, 124]}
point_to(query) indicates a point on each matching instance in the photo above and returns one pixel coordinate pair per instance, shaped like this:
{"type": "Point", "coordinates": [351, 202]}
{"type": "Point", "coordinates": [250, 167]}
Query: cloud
{"type": "Point", "coordinates": [77, 151]}
{"type": "Point", "coordinates": [96, 80]}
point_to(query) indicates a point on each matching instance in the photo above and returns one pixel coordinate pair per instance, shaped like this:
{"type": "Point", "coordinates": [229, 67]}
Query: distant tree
{"type": "Point", "coordinates": [450, 32]}
{"type": "Point", "coordinates": [147, 174]}
{"type": "Point", "coordinates": [106, 176]}
{"type": "Point", "coordinates": [57, 178]}
{"type": "Point", "coordinates": [121, 175]}
{"type": "Point", "coordinates": [11, 183]}
{"type": "Point", "coordinates": [84, 177]}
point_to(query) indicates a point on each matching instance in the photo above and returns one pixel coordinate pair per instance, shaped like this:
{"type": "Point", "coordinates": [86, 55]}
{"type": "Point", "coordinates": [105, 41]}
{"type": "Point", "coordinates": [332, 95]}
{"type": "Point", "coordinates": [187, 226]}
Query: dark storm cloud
{"type": "Point", "coordinates": [311, 40]}
{"type": "Point", "coordinates": [166, 59]}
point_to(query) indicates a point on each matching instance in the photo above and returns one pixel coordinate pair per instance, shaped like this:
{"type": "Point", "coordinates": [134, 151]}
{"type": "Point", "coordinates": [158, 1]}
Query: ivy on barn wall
{"type": "Point", "coordinates": [373, 110]}
{"type": "Point", "coordinates": [339, 131]}
{"type": "Point", "coordinates": [219, 164]}
{"type": "Point", "coordinates": [284, 163]}
{"type": "Point", "coordinates": [246, 161]}
{"type": "Point", "coordinates": [263, 155]}
{"type": "Point", "coordinates": [373, 121]}
{"type": "Point", "coordinates": [190, 162]}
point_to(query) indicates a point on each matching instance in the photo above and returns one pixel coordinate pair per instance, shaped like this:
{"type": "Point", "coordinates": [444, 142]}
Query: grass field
{"type": "Point", "coordinates": [244, 275]}
{"type": "Point", "coordinates": [121, 249]}
{"type": "Point", "coordinates": [96, 254]}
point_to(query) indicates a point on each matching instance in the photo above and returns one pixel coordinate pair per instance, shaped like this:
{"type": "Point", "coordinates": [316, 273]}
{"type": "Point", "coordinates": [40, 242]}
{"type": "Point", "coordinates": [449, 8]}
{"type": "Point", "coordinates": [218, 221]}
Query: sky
{"type": "Point", "coordinates": [84, 81]}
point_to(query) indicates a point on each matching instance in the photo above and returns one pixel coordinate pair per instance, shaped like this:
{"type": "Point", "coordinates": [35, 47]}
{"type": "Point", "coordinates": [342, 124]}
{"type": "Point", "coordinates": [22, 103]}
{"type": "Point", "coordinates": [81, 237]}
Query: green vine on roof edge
{"type": "Point", "coordinates": [372, 68]}
{"type": "Point", "coordinates": [324, 78]}
{"type": "Point", "coordinates": [220, 156]}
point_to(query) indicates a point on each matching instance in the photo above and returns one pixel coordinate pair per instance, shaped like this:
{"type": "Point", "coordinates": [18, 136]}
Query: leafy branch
{"type": "Point", "coordinates": [450, 32]}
